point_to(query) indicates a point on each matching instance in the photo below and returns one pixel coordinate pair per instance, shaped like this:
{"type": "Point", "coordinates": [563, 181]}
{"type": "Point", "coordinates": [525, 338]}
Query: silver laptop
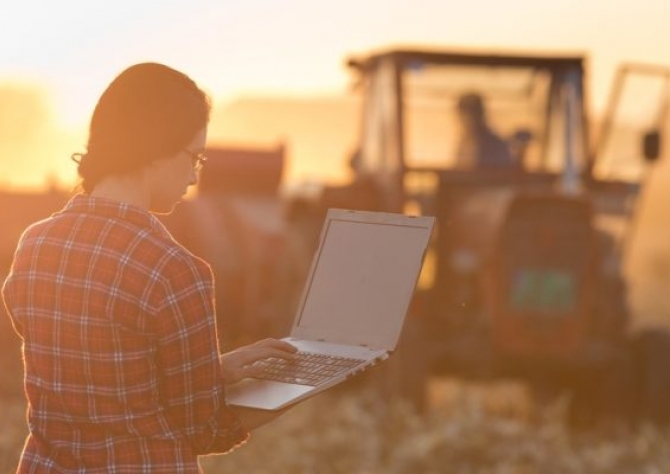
{"type": "Point", "coordinates": [352, 309]}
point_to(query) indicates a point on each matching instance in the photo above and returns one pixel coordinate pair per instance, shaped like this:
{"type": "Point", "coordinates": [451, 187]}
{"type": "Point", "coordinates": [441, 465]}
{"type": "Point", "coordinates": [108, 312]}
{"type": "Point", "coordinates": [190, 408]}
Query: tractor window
{"type": "Point", "coordinates": [447, 107]}
{"type": "Point", "coordinates": [638, 106]}
{"type": "Point", "coordinates": [379, 153]}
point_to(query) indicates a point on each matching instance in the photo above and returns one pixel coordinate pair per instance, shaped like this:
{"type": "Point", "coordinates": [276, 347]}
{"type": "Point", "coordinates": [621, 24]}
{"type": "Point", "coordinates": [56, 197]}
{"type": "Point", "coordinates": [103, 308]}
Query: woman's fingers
{"type": "Point", "coordinates": [250, 354]}
{"type": "Point", "coordinates": [276, 344]}
{"type": "Point", "coordinates": [270, 348]}
{"type": "Point", "coordinates": [238, 364]}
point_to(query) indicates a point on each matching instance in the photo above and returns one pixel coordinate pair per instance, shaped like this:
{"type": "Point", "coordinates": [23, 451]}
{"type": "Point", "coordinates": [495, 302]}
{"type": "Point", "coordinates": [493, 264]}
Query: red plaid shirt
{"type": "Point", "coordinates": [122, 373]}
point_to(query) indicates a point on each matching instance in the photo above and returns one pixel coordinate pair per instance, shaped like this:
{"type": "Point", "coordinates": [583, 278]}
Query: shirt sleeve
{"type": "Point", "coordinates": [192, 384]}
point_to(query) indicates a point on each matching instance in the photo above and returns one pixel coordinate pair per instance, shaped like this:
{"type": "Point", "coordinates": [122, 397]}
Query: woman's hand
{"type": "Point", "coordinates": [237, 364]}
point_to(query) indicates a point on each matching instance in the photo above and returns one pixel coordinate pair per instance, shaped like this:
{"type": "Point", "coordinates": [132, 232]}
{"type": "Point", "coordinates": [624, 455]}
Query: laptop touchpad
{"type": "Point", "coordinates": [263, 394]}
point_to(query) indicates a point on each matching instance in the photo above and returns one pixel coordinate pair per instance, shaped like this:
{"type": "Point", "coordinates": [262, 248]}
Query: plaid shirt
{"type": "Point", "coordinates": [119, 341]}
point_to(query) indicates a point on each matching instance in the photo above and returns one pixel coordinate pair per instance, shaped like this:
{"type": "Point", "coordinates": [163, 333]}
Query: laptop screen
{"type": "Point", "coordinates": [362, 278]}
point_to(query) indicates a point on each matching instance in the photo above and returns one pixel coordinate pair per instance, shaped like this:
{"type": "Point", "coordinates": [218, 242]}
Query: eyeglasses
{"type": "Point", "coordinates": [197, 159]}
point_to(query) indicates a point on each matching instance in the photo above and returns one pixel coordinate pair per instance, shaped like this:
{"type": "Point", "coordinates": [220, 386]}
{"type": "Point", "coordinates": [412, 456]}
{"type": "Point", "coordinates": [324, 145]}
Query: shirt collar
{"type": "Point", "coordinates": [111, 209]}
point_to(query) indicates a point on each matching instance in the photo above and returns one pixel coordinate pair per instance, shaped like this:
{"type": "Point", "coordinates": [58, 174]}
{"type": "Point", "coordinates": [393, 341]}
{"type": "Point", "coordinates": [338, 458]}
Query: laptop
{"type": "Point", "coordinates": [353, 306]}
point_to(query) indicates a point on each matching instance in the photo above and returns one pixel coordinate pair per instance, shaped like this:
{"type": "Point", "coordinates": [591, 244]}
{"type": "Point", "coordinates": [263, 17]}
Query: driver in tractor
{"type": "Point", "coordinates": [479, 146]}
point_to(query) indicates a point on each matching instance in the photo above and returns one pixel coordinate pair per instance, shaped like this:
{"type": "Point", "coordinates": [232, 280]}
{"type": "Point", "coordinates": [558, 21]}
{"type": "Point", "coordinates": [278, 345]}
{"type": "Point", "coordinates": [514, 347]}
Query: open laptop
{"type": "Point", "coordinates": [352, 309]}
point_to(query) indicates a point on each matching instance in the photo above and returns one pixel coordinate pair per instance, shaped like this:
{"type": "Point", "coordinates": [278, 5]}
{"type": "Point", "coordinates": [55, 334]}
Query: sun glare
{"type": "Point", "coordinates": [34, 147]}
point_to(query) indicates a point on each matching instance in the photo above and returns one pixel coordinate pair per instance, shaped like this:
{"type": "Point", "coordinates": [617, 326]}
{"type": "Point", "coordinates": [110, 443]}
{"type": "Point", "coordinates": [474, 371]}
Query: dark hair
{"type": "Point", "coordinates": [471, 104]}
{"type": "Point", "coordinates": [149, 111]}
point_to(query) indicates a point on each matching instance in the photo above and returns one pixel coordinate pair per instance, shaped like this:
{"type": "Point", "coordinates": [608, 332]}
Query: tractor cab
{"type": "Point", "coordinates": [533, 213]}
{"type": "Point", "coordinates": [432, 117]}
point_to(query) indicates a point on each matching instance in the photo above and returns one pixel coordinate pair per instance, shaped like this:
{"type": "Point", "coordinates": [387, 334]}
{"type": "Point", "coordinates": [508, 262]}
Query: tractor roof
{"type": "Point", "coordinates": [468, 57]}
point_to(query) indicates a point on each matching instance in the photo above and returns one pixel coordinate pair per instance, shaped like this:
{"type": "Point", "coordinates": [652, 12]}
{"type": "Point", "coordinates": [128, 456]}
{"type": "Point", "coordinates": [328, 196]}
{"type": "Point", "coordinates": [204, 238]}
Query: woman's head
{"type": "Point", "coordinates": [149, 112]}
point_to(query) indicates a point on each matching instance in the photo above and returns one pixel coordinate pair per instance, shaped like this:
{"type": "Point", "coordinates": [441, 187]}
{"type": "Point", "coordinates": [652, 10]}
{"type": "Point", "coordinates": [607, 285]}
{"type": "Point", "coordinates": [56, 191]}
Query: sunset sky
{"type": "Point", "coordinates": [57, 57]}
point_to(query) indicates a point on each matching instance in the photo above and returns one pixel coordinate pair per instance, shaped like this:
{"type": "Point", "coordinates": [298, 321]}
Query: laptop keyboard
{"type": "Point", "coordinates": [305, 368]}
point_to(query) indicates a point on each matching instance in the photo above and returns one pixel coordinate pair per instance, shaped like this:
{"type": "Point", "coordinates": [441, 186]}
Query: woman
{"type": "Point", "coordinates": [122, 368]}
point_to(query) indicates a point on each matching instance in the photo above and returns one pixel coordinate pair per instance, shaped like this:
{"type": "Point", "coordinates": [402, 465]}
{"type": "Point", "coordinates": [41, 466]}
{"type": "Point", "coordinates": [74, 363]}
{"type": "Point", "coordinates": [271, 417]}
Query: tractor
{"type": "Point", "coordinates": [524, 277]}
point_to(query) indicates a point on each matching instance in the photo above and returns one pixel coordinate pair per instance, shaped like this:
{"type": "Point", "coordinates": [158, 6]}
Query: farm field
{"type": "Point", "coordinates": [468, 429]}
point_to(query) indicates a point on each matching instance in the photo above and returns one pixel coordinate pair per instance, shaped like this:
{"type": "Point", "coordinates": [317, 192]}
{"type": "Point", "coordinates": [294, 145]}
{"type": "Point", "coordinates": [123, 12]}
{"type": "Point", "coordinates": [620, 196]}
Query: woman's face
{"type": "Point", "coordinates": [171, 177]}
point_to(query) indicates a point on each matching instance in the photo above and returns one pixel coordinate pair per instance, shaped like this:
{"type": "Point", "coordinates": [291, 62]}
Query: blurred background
{"type": "Point", "coordinates": [287, 123]}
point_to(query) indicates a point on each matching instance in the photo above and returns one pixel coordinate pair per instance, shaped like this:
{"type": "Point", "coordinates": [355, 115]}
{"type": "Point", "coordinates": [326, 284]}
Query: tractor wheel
{"type": "Point", "coordinates": [606, 394]}
{"type": "Point", "coordinates": [406, 375]}
{"type": "Point", "coordinates": [652, 354]}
